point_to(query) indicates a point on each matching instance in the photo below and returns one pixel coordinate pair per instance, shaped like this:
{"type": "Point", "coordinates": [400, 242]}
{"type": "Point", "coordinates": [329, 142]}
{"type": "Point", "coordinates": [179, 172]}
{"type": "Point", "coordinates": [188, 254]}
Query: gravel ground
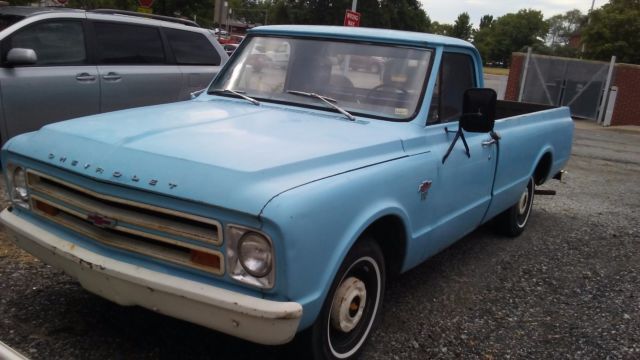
{"type": "Point", "coordinates": [569, 287]}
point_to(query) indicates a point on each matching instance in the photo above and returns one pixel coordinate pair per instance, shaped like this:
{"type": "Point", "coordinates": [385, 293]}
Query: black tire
{"type": "Point", "coordinates": [327, 339]}
{"type": "Point", "coordinates": [514, 220]}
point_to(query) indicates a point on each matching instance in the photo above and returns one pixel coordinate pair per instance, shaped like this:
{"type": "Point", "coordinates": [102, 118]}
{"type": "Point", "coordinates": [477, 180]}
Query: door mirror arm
{"type": "Point", "coordinates": [478, 115]}
{"type": "Point", "coordinates": [459, 135]}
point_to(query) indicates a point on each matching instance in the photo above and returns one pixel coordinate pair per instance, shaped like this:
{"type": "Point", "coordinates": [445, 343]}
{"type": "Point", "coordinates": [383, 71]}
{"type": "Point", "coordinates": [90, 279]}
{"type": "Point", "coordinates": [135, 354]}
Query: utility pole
{"type": "Point", "coordinates": [593, 2]}
{"type": "Point", "coordinates": [354, 5]}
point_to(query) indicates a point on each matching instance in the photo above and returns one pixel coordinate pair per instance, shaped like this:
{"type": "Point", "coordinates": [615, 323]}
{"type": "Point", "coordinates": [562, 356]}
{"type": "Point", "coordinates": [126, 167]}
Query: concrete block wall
{"type": "Point", "coordinates": [625, 76]}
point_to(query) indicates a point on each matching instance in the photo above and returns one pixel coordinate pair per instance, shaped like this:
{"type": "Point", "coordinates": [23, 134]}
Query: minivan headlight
{"type": "Point", "coordinates": [250, 257]}
{"type": "Point", "coordinates": [18, 188]}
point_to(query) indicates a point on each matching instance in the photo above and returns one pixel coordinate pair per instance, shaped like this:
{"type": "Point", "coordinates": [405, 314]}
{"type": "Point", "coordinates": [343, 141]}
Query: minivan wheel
{"type": "Point", "coordinates": [513, 221]}
{"type": "Point", "coordinates": [352, 305]}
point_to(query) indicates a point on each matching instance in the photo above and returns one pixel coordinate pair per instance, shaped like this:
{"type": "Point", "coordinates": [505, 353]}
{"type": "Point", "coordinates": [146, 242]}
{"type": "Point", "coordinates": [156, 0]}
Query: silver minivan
{"type": "Point", "coordinates": [58, 64]}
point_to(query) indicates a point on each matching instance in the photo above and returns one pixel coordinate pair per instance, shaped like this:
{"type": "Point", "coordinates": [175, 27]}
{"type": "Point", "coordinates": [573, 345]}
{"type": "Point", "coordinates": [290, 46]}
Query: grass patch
{"type": "Point", "coordinates": [496, 71]}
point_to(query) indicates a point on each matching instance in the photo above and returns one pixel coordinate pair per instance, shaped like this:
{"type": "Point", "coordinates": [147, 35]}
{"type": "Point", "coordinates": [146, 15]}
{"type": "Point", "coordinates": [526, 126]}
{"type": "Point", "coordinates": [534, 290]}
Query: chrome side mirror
{"type": "Point", "coordinates": [20, 56]}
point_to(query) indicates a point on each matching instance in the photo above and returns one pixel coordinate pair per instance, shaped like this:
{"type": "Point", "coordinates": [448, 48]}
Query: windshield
{"type": "Point", "coordinates": [375, 80]}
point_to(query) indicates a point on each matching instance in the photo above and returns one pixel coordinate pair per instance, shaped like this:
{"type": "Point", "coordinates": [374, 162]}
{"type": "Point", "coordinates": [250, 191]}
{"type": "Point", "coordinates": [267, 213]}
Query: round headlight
{"type": "Point", "coordinates": [20, 184]}
{"type": "Point", "coordinates": [254, 253]}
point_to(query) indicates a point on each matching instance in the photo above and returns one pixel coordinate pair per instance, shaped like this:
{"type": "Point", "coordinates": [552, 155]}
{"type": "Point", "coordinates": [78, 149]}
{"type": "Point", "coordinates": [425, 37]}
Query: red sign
{"type": "Point", "coordinates": [145, 3]}
{"type": "Point", "coordinates": [62, 2]}
{"type": "Point", "coordinates": [352, 18]}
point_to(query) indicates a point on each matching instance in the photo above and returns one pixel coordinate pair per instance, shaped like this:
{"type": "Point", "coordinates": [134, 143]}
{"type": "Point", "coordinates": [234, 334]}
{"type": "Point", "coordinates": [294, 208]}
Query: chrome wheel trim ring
{"type": "Point", "coordinates": [525, 209]}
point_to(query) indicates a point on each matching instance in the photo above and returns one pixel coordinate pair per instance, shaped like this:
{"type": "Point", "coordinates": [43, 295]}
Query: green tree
{"type": "Point", "coordinates": [486, 21]}
{"type": "Point", "coordinates": [509, 33]}
{"type": "Point", "coordinates": [563, 26]}
{"type": "Point", "coordinates": [441, 29]}
{"type": "Point", "coordinates": [462, 27]}
{"type": "Point", "coordinates": [98, 4]}
{"type": "Point", "coordinates": [613, 30]}
{"type": "Point", "coordinates": [403, 15]}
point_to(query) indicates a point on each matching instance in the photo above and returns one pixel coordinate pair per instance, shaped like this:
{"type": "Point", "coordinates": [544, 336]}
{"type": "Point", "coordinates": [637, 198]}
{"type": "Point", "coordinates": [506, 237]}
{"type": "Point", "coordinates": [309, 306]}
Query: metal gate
{"type": "Point", "coordinates": [575, 83]}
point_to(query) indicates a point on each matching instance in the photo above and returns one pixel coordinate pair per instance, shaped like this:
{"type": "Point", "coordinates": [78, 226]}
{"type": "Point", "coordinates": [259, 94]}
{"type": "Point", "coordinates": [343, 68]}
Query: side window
{"type": "Point", "coordinates": [455, 76]}
{"type": "Point", "coordinates": [191, 48]}
{"type": "Point", "coordinates": [128, 44]}
{"type": "Point", "coordinates": [55, 42]}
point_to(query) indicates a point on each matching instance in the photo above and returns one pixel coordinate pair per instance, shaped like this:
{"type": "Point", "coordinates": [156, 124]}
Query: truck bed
{"type": "Point", "coordinates": [505, 109]}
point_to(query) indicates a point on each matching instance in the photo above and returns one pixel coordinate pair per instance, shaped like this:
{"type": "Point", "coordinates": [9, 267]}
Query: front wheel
{"type": "Point", "coordinates": [352, 305]}
{"type": "Point", "coordinates": [513, 221]}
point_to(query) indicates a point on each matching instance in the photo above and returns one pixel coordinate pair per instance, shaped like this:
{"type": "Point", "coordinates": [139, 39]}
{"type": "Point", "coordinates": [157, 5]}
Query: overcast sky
{"type": "Point", "coordinates": [446, 11]}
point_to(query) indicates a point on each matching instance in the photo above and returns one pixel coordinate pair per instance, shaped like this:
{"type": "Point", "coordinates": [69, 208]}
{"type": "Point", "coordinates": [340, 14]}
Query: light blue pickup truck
{"type": "Point", "coordinates": [279, 201]}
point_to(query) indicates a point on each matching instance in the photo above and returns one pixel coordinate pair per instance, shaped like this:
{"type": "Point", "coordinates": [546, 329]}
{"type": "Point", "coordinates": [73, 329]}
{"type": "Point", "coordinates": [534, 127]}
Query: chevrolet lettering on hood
{"type": "Point", "coordinates": [115, 174]}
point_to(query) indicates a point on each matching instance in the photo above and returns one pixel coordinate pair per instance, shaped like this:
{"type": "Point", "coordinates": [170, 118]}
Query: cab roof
{"type": "Point", "coordinates": [362, 34]}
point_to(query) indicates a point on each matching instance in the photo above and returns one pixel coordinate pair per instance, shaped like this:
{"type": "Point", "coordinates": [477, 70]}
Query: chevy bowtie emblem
{"type": "Point", "coordinates": [423, 189]}
{"type": "Point", "coordinates": [102, 221]}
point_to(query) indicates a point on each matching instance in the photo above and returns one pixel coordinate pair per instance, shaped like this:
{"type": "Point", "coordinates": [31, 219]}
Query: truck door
{"type": "Point", "coordinates": [461, 192]}
{"type": "Point", "coordinates": [61, 85]}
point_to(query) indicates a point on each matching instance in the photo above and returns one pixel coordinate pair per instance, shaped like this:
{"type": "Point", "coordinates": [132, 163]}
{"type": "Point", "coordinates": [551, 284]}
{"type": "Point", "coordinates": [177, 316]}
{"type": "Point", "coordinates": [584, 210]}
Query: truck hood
{"type": "Point", "coordinates": [220, 151]}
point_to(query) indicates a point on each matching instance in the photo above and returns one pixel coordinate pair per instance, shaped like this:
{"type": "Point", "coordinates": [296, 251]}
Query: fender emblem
{"type": "Point", "coordinates": [423, 189]}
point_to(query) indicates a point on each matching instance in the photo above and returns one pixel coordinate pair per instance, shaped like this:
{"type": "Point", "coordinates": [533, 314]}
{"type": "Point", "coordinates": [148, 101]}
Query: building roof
{"type": "Point", "coordinates": [360, 33]}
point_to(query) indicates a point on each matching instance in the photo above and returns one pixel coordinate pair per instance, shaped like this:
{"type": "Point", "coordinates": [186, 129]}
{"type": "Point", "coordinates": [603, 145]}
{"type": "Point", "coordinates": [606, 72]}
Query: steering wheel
{"type": "Point", "coordinates": [386, 86]}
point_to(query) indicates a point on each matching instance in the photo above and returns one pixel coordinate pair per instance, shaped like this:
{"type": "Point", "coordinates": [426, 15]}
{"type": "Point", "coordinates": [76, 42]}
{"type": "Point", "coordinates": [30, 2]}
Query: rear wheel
{"type": "Point", "coordinates": [513, 221]}
{"type": "Point", "coordinates": [352, 305]}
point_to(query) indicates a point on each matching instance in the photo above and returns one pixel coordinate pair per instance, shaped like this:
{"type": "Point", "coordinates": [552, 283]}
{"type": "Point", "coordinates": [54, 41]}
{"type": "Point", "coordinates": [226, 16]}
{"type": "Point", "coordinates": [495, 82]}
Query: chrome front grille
{"type": "Point", "coordinates": [165, 234]}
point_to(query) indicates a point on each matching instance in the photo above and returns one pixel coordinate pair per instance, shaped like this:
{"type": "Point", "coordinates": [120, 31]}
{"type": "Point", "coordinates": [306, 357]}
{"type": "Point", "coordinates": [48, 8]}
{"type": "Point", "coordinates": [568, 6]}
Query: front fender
{"type": "Point", "coordinates": [319, 223]}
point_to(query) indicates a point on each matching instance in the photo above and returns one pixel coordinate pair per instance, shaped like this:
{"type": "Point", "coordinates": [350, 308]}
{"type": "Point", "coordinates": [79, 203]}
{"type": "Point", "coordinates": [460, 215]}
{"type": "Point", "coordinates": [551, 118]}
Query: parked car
{"type": "Point", "coordinates": [373, 64]}
{"type": "Point", "coordinates": [236, 39]}
{"type": "Point", "coordinates": [279, 202]}
{"type": "Point", "coordinates": [221, 32]}
{"type": "Point", "coordinates": [280, 55]}
{"type": "Point", "coordinates": [230, 48]}
{"type": "Point", "coordinates": [74, 63]}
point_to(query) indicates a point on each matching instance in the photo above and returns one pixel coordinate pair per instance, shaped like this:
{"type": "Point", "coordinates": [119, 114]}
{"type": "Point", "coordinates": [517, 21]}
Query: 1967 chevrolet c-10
{"type": "Point", "coordinates": [281, 199]}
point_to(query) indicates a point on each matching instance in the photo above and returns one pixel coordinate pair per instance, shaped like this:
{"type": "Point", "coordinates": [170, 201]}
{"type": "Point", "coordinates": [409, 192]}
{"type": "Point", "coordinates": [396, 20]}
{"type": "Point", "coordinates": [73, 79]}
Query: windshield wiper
{"type": "Point", "coordinates": [236, 93]}
{"type": "Point", "coordinates": [329, 101]}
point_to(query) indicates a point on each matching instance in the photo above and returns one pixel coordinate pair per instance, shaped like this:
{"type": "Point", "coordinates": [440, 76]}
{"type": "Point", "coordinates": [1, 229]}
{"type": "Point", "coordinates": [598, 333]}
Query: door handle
{"type": "Point", "coordinates": [112, 76]}
{"type": "Point", "coordinates": [85, 77]}
{"type": "Point", "coordinates": [488, 142]}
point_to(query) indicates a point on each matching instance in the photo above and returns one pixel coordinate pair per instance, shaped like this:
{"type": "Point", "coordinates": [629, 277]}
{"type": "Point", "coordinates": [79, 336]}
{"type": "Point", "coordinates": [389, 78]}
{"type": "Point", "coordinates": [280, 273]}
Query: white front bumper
{"type": "Point", "coordinates": [254, 319]}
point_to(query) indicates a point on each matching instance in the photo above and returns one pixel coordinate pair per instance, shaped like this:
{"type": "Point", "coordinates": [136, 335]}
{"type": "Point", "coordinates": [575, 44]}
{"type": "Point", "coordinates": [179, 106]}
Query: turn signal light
{"type": "Point", "coordinates": [205, 259]}
{"type": "Point", "coordinates": [46, 208]}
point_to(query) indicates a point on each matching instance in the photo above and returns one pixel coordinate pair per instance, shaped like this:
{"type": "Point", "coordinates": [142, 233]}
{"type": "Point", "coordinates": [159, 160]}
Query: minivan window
{"type": "Point", "coordinates": [192, 48]}
{"type": "Point", "coordinates": [55, 42]}
{"type": "Point", "coordinates": [128, 44]}
{"type": "Point", "coordinates": [8, 20]}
